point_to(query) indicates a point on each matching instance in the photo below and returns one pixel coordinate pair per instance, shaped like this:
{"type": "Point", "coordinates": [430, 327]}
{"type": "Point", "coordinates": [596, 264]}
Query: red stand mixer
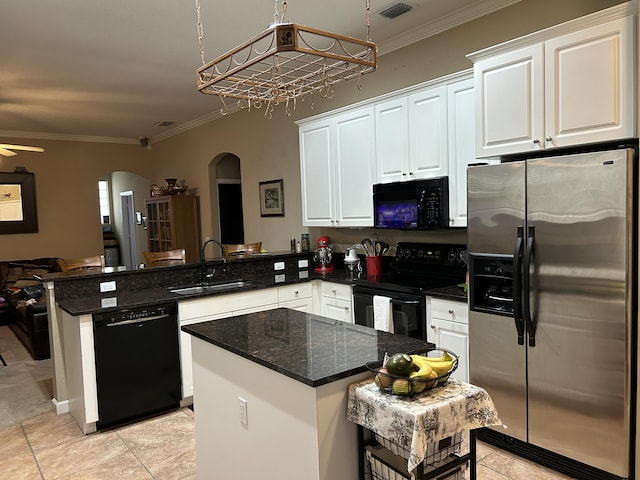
{"type": "Point", "coordinates": [322, 255]}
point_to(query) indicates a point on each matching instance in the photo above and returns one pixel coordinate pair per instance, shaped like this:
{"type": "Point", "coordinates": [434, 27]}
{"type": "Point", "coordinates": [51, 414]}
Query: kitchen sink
{"type": "Point", "coordinates": [212, 287]}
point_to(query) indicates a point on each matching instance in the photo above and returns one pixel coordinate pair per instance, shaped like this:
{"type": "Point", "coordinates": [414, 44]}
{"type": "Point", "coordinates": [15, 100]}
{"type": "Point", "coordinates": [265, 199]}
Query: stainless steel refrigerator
{"type": "Point", "coordinates": [553, 306]}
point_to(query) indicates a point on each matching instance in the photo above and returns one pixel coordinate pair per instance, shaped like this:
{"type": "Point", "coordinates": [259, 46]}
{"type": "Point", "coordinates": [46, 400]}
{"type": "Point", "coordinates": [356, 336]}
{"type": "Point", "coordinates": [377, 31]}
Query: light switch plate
{"type": "Point", "coordinates": [108, 286]}
{"type": "Point", "coordinates": [278, 266]}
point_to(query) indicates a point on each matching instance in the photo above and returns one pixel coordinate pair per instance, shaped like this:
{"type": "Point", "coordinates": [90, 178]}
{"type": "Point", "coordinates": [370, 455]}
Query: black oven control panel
{"type": "Point", "coordinates": [431, 253]}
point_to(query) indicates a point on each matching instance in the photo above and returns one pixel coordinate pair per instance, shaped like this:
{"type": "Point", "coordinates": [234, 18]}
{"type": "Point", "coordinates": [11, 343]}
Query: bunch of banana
{"type": "Point", "coordinates": [441, 364]}
{"type": "Point", "coordinates": [420, 377]}
{"type": "Point", "coordinates": [429, 369]}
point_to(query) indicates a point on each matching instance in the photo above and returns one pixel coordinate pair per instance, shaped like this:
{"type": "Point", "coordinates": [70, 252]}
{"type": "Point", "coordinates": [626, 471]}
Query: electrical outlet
{"type": "Point", "coordinates": [303, 263]}
{"type": "Point", "coordinates": [278, 266]}
{"type": "Point", "coordinates": [279, 278]}
{"type": "Point", "coordinates": [107, 286]}
{"type": "Point", "coordinates": [243, 412]}
{"type": "Point", "coordinates": [108, 302]}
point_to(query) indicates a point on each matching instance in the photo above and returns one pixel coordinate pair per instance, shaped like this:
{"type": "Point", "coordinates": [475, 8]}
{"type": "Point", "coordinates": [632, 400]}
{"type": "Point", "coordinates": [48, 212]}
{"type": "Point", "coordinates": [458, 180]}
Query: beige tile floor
{"type": "Point", "coordinates": [51, 446]}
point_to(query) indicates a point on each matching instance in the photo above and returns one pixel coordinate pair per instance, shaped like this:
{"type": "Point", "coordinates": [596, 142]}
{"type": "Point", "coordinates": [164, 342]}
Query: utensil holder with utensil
{"type": "Point", "coordinates": [374, 265]}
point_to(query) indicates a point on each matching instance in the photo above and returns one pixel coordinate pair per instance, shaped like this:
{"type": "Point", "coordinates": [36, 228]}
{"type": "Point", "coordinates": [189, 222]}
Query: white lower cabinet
{"type": "Point", "coordinates": [297, 297]}
{"type": "Point", "coordinates": [448, 327]}
{"type": "Point", "coordinates": [336, 301]}
{"type": "Point", "coordinates": [210, 308]}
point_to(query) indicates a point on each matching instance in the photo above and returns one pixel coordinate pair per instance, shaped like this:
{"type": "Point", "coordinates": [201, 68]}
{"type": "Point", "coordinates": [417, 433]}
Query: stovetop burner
{"type": "Point", "coordinates": [419, 267]}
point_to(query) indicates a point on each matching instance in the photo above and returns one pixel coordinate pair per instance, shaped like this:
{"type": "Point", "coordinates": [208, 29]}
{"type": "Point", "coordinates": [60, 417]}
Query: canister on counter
{"type": "Point", "coordinates": [304, 242]}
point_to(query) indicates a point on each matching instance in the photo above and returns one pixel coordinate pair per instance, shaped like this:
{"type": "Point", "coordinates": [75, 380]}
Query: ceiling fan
{"type": "Point", "coordinates": [6, 149]}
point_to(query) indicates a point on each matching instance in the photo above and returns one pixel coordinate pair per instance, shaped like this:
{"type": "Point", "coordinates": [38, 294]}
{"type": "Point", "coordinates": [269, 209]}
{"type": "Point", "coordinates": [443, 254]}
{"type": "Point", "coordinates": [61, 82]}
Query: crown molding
{"type": "Point", "coordinates": [454, 19]}
{"type": "Point", "coordinates": [602, 16]}
{"type": "Point", "coordinates": [67, 137]}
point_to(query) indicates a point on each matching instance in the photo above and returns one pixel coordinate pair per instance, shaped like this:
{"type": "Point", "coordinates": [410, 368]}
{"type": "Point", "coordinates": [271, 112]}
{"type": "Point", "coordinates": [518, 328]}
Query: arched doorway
{"type": "Point", "coordinates": [225, 186]}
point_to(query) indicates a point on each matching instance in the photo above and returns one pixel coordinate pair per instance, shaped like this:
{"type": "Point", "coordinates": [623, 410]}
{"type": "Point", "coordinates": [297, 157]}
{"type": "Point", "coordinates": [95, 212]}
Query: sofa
{"type": "Point", "coordinates": [26, 306]}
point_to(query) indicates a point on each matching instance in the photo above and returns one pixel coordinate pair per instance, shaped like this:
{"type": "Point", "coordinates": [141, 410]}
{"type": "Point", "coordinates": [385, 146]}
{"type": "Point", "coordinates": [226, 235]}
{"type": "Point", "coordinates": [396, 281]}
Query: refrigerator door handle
{"type": "Point", "coordinates": [517, 285]}
{"type": "Point", "coordinates": [528, 252]}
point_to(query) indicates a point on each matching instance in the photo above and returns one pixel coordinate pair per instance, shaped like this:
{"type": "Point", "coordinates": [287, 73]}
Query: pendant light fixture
{"type": "Point", "coordinates": [284, 63]}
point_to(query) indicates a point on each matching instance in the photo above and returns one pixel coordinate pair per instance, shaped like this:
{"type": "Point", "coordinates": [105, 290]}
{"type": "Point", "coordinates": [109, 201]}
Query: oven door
{"type": "Point", "coordinates": [409, 311]}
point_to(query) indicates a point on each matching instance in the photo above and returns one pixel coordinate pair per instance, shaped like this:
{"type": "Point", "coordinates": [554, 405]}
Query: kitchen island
{"type": "Point", "coordinates": [270, 392]}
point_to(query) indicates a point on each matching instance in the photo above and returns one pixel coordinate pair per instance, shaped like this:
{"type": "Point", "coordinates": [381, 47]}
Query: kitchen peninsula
{"type": "Point", "coordinates": [270, 393]}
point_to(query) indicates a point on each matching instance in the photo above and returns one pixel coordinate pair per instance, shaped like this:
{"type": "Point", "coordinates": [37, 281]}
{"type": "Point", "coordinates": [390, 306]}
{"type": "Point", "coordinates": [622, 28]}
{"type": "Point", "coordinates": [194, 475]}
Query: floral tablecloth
{"type": "Point", "coordinates": [415, 422]}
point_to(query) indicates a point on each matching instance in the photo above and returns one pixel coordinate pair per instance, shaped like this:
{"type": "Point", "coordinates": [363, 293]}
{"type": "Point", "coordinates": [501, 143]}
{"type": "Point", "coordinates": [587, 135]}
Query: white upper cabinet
{"type": "Point", "coordinates": [589, 85]}
{"type": "Point", "coordinates": [425, 131]}
{"type": "Point", "coordinates": [337, 163]}
{"type": "Point", "coordinates": [561, 90]}
{"type": "Point", "coordinates": [316, 169]}
{"type": "Point", "coordinates": [411, 136]}
{"type": "Point", "coordinates": [392, 140]}
{"type": "Point", "coordinates": [461, 134]}
{"type": "Point", "coordinates": [428, 133]}
{"type": "Point", "coordinates": [509, 100]}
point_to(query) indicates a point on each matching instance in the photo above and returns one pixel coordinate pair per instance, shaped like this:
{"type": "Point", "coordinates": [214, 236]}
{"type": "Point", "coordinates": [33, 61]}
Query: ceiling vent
{"type": "Point", "coordinates": [396, 10]}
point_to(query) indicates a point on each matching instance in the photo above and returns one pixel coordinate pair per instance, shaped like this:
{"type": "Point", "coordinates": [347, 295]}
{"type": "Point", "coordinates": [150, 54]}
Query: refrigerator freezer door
{"type": "Point", "coordinates": [578, 370]}
{"type": "Point", "coordinates": [496, 207]}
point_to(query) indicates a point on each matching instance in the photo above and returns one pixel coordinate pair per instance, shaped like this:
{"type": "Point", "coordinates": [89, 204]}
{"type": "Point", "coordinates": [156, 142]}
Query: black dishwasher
{"type": "Point", "coordinates": [137, 363]}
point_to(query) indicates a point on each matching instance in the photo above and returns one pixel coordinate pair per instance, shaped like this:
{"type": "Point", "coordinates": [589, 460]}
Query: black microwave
{"type": "Point", "coordinates": [412, 205]}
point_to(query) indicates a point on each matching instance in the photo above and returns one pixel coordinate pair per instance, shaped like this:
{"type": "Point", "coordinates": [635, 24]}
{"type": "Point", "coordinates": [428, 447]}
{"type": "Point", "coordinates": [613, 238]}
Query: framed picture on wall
{"type": "Point", "coordinates": [18, 203]}
{"type": "Point", "coordinates": [271, 199]}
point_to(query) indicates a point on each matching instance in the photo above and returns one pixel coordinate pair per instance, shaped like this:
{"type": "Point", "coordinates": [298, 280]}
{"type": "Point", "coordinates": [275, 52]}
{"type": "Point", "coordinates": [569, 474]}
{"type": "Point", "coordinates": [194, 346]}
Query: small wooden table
{"type": "Point", "coordinates": [414, 423]}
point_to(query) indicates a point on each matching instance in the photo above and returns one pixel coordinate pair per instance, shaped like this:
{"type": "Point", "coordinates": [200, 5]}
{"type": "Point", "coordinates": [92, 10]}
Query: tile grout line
{"type": "Point", "coordinates": [33, 453]}
{"type": "Point", "coordinates": [134, 454]}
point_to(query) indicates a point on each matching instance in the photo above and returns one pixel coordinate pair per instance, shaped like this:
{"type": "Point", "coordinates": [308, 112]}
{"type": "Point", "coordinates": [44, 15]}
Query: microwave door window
{"type": "Point", "coordinates": [396, 214]}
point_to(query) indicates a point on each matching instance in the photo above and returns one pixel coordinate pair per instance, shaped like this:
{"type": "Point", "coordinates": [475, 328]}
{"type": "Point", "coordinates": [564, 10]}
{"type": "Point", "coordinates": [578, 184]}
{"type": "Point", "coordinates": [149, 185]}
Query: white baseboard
{"type": "Point", "coordinates": [61, 407]}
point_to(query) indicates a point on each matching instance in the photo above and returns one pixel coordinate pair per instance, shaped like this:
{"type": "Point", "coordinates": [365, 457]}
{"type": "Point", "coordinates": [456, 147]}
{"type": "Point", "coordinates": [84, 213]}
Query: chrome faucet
{"type": "Point", "coordinates": [203, 267]}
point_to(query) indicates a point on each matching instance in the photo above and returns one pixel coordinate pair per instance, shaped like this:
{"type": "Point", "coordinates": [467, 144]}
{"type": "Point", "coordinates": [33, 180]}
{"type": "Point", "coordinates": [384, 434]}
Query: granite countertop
{"type": "Point", "coordinates": [450, 292]}
{"type": "Point", "coordinates": [133, 298]}
{"type": "Point", "coordinates": [309, 348]}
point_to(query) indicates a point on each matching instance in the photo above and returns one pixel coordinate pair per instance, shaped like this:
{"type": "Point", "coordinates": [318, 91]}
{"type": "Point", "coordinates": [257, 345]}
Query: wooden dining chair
{"type": "Point", "coordinates": [88, 263]}
{"type": "Point", "coordinates": [241, 249]}
{"type": "Point", "coordinates": [170, 257]}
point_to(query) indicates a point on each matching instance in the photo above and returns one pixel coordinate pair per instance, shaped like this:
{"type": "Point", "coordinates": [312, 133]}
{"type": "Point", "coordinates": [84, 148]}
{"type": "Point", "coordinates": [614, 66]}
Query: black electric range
{"type": "Point", "coordinates": [419, 267]}
{"type": "Point", "coordinates": [416, 269]}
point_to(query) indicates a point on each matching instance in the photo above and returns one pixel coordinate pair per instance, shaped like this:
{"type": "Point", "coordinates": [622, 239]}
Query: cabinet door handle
{"type": "Point", "coordinates": [296, 292]}
{"type": "Point", "coordinates": [433, 327]}
{"type": "Point", "coordinates": [548, 138]}
{"type": "Point", "coordinates": [536, 141]}
{"type": "Point", "coordinates": [451, 312]}
{"type": "Point", "coordinates": [334, 291]}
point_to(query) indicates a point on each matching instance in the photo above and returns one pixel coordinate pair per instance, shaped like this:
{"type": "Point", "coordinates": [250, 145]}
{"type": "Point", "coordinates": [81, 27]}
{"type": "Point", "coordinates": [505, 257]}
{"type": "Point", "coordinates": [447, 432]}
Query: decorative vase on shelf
{"type": "Point", "coordinates": [173, 188]}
